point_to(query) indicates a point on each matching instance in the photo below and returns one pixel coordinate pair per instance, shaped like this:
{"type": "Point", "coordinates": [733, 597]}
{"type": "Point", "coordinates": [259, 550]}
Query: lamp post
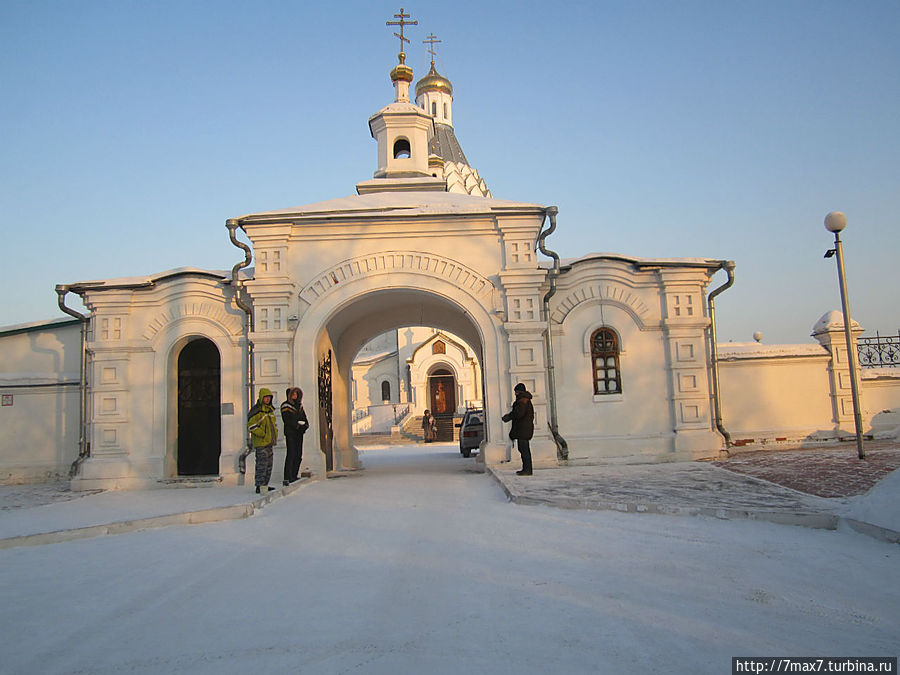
{"type": "Point", "coordinates": [835, 222]}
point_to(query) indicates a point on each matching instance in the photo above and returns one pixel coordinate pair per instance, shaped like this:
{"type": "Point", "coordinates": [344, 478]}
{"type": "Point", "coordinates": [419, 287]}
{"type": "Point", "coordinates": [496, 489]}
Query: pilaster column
{"type": "Point", "coordinates": [684, 325]}
{"type": "Point", "coordinates": [527, 360]}
{"type": "Point", "coordinates": [829, 331]}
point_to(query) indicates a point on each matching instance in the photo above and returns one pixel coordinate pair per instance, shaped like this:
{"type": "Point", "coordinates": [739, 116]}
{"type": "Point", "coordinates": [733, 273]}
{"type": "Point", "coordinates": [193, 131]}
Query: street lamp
{"type": "Point", "coordinates": [835, 222]}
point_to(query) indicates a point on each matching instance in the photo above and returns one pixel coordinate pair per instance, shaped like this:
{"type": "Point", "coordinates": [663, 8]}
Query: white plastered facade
{"type": "Point", "coordinates": [138, 328]}
{"type": "Point", "coordinates": [408, 251]}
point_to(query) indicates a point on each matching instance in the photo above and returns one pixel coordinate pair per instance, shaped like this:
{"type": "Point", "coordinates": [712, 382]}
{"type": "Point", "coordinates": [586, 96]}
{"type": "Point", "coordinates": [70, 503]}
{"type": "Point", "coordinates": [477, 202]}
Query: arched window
{"type": "Point", "coordinates": [434, 108]}
{"type": "Point", "coordinates": [445, 111]}
{"type": "Point", "coordinates": [605, 360]}
{"type": "Point", "coordinates": [401, 149]}
{"type": "Point", "coordinates": [385, 391]}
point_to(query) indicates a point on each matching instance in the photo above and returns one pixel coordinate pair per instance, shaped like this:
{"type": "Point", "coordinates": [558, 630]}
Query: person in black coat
{"type": "Point", "coordinates": [295, 425]}
{"type": "Point", "coordinates": [522, 429]}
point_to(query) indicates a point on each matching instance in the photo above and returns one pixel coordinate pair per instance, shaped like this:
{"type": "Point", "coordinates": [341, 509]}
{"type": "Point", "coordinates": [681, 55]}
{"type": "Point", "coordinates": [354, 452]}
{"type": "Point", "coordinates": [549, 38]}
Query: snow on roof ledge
{"type": "Point", "coordinates": [736, 351]}
{"type": "Point", "coordinates": [130, 282]}
{"type": "Point", "coordinates": [879, 372]}
{"type": "Point", "coordinates": [832, 321]}
{"type": "Point", "coordinates": [397, 203]}
{"type": "Point", "coordinates": [634, 260]}
{"type": "Point", "coordinates": [37, 325]}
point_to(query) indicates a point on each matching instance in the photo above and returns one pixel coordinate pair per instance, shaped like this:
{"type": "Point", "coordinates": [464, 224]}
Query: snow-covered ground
{"type": "Point", "coordinates": [880, 505]}
{"type": "Point", "coordinates": [419, 565]}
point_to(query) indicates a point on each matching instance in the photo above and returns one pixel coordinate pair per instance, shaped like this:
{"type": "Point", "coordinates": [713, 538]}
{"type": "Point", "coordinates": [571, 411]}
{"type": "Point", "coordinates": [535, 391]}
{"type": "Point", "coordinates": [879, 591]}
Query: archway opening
{"type": "Point", "coordinates": [368, 318]}
{"type": "Point", "coordinates": [199, 409]}
{"type": "Point", "coordinates": [415, 368]}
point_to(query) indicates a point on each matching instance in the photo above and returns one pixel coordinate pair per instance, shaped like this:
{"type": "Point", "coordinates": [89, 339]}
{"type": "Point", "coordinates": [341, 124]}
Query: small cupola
{"type": "Point", "coordinates": [403, 132]}
{"type": "Point", "coordinates": [434, 92]}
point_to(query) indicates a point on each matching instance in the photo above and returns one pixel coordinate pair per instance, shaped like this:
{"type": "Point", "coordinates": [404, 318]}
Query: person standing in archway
{"type": "Point", "coordinates": [263, 433]}
{"type": "Point", "coordinates": [522, 429]}
{"type": "Point", "coordinates": [428, 427]}
{"type": "Point", "coordinates": [295, 425]}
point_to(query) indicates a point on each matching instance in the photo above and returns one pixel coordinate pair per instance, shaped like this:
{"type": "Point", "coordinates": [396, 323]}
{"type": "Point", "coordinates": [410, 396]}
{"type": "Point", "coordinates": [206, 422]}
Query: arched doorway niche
{"type": "Point", "coordinates": [353, 313]}
{"type": "Point", "coordinates": [442, 389]}
{"type": "Point", "coordinates": [162, 407]}
{"type": "Point", "coordinates": [198, 399]}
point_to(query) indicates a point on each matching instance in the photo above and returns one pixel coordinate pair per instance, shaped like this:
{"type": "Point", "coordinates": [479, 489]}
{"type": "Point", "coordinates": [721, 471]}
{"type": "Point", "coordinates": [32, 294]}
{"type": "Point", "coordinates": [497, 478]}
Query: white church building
{"type": "Point", "coordinates": [152, 384]}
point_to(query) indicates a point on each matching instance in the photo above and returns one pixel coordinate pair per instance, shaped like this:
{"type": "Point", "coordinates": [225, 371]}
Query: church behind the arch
{"type": "Point", "coordinates": [174, 360]}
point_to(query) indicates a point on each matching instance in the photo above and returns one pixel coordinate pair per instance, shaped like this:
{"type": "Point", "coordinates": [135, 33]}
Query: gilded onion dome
{"type": "Point", "coordinates": [402, 71]}
{"type": "Point", "coordinates": [433, 81]}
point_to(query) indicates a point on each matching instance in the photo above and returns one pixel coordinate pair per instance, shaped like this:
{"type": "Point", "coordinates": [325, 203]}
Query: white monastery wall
{"type": "Point", "coordinates": [799, 393]}
{"type": "Point", "coordinates": [775, 393]}
{"type": "Point", "coordinates": [881, 398]}
{"type": "Point", "coordinates": [40, 415]}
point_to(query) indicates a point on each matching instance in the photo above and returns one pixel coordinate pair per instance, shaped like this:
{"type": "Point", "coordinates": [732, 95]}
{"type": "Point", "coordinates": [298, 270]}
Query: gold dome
{"type": "Point", "coordinates": [402, 72]}
{"type": "Point", "coordinates": [433, 82]}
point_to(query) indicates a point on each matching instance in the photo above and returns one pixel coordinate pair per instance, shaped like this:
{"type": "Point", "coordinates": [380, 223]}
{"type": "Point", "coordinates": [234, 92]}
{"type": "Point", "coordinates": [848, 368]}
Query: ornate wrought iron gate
{"type": "Point", "coordinates": [326, 433]}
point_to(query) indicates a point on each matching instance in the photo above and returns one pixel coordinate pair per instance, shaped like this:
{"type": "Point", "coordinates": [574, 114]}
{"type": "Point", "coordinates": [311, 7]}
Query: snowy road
{"type": "Point", "coordinates": [419, 565]}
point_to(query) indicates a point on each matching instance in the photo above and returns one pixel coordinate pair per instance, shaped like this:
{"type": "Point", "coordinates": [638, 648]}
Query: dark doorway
{"type": "Point", "coordinates": [442, 386]}
{"type": "Point", "coordinates": [442, 392]}
{"type": "Point", "coordinates": [199, 409]}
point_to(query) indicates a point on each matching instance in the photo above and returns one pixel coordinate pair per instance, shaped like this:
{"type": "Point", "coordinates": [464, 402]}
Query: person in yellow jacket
{"type": "Point", "coordinates": [263, 434]}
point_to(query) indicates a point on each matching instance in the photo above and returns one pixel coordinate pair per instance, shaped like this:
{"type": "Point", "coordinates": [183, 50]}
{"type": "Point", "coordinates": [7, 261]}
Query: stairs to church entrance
{"type": "Point", "coordinates": [411, 432]}
{"type": "Point", "coordinates": [445, 428]}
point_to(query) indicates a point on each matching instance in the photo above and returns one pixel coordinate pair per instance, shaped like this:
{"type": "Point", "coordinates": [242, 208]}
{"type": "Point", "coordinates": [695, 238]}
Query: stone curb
{"type": "Point", "coordinates": [213, 515]}
{"type": "Point", "coordinates": [822, 521]}
{"type": "Point", "coordinates": [876, 531]}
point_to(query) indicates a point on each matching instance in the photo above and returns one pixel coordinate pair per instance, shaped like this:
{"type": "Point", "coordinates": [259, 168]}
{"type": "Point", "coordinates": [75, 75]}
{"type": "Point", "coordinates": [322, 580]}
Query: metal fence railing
{"type": "Point", "coordinates": [879, 350]}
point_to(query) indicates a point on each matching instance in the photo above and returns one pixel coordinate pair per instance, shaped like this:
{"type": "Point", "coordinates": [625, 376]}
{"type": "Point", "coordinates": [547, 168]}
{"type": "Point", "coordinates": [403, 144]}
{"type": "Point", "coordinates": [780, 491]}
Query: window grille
{"type": "Point", "coordinates": [605, 360]}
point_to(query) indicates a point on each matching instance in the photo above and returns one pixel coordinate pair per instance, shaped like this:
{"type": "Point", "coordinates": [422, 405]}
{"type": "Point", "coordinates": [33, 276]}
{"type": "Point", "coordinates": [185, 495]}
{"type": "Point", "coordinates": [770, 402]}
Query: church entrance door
{"type": "Point", "coordinates": [199, 409]}
{"type": "Point", "coordinates": [442, 392]}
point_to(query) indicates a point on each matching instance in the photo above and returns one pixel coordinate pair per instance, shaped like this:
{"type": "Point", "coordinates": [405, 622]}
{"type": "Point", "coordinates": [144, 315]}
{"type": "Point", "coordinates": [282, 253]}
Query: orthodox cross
{"type": "Point", "coordinates": [402, 22]}
{"type": "Point", "coordinates": [431, 41]}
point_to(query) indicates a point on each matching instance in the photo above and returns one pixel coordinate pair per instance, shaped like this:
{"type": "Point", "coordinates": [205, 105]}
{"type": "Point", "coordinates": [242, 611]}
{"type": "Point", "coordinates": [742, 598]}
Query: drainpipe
{"type": "Point", "coordinates": [728, 266]}
{"type": "Point", "coordinates": [233, 224]}
{"type": "Point", "coordinates": [562, 448]}
{"type": "Point", "coordinates": [84, 449]}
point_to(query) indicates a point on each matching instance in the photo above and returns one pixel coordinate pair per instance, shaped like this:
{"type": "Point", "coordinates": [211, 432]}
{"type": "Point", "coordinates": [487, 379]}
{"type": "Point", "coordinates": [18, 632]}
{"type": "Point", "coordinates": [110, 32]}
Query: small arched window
{"type": "Point", "coordinates": [385, 391]}
{"type": "Point", "coordinates": [401, 149]}
{"type": "Point", "coordinates": [605, 362]}
{"type": "Point", "coordinates": [445, 111]}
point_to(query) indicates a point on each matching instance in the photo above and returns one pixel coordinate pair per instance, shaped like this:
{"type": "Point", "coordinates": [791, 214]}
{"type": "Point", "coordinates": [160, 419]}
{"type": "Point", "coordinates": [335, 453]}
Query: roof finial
{"type": "Point", "coordinates": [431, 41]}
{"type": "Point", "coordinates": [402, 22]}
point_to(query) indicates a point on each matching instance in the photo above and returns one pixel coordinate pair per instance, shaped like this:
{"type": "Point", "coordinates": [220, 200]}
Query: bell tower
{"type": "Point", "coordinates": [403, 132]}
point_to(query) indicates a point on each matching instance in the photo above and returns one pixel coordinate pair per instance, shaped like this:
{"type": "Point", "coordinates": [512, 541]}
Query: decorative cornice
{"type": "Point", "coordinates": [413, 262]}
{"type": "Point", "coordinates": [187, 310]}
{"type": "Point", "coordinates": [606, 292]}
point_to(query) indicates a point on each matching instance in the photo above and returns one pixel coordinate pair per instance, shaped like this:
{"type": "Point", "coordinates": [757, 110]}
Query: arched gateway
{"type": "Point", "coordinates": [401, 273]}
{"type": "Point", "coordinates": [422, 243]}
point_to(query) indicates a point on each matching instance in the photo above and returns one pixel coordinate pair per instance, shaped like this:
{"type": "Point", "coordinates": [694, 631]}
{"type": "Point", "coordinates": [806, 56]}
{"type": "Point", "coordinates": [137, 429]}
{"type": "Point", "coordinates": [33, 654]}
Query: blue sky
{"type": "Point", "coordinates": [133, 130]}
